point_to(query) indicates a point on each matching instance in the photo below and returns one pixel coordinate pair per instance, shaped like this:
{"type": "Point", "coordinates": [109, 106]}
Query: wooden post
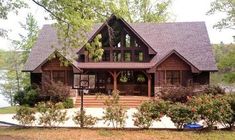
{"type": "Point", "coordinates": [114, 80]}
{"type": "Point", "coordinates": [149, 85]}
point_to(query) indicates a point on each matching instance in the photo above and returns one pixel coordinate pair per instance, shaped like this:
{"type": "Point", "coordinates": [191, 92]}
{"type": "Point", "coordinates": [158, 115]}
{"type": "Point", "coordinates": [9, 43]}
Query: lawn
{"type": "Point", "coordinates": [100, 134]}
{"type": "Point", "coordinates": [8, 110]}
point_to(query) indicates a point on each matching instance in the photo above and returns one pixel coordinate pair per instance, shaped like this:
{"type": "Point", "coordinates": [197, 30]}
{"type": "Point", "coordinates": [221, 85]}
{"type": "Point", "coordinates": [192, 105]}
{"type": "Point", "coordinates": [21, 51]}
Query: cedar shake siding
{"type": "Point", "coordinates": [149, 55]}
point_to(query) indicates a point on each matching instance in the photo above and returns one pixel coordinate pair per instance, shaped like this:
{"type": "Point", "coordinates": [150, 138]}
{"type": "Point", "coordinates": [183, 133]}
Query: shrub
{"type": "Point", "coordinates": [28, 96]}
{"type": "Point", "coordinates": [114, 113]}
{"type": "Point", "coordinates": [213, 90]}
{"type": "Point", "coordinates": [25, 115]}
{"type": "Point", "coordinates": [88, 120]}
{"type": "Point", "coordinates": [212, 109]}
{"type": "Point", "coordinates": [51, 114]}
{"type": "Point", "coordinates": [68, 103]}
{"type": "Point", "coordinates": [176, 94]}
{"type": "Point", "coordinates": [56, 91]}
{"type": "Point", "coordinates": [148, 112]}
{"type": "Point", "coordinates": [229, 118]}
{"type": "Point", "coordinates": [182, 114]}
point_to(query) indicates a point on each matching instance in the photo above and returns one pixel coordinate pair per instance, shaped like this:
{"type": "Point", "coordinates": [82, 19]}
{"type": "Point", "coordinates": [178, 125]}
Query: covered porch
{"type": "Point", "coordinates": [128, 82]}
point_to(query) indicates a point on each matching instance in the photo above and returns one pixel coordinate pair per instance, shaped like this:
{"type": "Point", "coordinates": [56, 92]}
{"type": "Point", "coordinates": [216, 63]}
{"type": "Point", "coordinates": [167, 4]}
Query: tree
{"type": "Point", "coordinates": [228, 8]}
{"type": "Point", "coordinates": [14, 79]}
{"type": "Point", "coordinates": [7, 6]}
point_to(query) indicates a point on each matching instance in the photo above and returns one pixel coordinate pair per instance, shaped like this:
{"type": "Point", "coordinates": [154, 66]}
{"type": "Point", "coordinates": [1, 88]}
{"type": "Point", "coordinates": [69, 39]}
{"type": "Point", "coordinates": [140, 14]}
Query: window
{"type": "Point", "coordinates": [117, 56]}
{"type": "Point", "coordinates": [139, 56]}
{"type": "Point", "coordinates": [173, 77]}
{"type": "Point", "coordinates": [106, 56]}
{"type": "Point", "coordinates": [136, 44]}
{"type": "Point", "coordinates": [127, 56]}
{"type": "Point", "coordinates": [58, 76]}
{"type": "Point", "coordinates": [128, 41]}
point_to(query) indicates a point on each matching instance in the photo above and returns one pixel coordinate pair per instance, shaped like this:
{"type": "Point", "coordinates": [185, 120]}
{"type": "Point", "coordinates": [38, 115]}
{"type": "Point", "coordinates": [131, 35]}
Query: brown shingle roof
{"type": "Point", "coordinates": [189, 39]}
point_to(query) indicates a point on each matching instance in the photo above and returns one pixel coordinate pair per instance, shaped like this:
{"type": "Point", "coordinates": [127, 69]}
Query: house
{"type": "Point", "coordinates": [141, 57]}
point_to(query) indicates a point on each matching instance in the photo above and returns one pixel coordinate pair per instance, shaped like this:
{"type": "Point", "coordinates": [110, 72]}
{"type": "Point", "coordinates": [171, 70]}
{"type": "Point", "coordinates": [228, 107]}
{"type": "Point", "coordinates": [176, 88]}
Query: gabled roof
{"type": "Point", "coordinates": [189, 39]}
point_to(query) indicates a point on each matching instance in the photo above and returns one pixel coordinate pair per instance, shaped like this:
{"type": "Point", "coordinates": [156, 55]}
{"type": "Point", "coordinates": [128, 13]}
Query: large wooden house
{"type": "Point", "coordinates": [141, 57]}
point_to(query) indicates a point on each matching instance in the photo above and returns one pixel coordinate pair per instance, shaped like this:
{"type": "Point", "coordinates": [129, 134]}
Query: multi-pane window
{"type": "Point", "coordinates": [127, 56]}
{"type": "Point", "coordinates": [117, 56]}
{"type": "Point", "coordinates": [139, 56]}
{"type": "Point", "coordinates": [106, 56]}
{"type": "Point", "coordinates": [58, 76]}
{"type": "Point", "coordinates": [173, 77]}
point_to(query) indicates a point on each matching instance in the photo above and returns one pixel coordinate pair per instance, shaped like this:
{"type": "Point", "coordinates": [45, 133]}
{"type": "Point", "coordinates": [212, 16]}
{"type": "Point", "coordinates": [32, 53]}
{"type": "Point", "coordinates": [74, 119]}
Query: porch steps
{"type": "Point", "coordinates": [126, 101]}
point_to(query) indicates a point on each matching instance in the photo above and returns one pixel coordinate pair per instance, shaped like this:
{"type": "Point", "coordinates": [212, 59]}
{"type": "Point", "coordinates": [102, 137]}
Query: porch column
{"type": "Point", "coordinates": [114, 80]}
{"type": "Point", "coordinates": [149, 85]}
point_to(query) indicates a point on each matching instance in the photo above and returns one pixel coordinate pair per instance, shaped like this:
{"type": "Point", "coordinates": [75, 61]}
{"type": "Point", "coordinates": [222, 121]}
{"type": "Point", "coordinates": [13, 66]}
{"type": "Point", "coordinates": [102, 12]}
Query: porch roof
{"type": "Point", "coordinates": [114, 65]}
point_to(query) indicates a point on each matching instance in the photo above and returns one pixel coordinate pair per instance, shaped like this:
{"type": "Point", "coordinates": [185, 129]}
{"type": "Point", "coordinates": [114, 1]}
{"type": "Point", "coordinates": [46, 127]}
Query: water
{"type": "Point", "coordinates": [3, 102]}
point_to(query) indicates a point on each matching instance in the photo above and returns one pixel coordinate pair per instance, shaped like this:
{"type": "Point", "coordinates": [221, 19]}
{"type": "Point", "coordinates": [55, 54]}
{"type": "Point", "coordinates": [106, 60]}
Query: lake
{"type": "Point", "coordinates": [3, 102]}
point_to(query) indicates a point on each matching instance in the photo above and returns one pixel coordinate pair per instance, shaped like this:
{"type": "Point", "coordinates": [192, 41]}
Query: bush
{"type": "Point", "coordinates": [68, 103]}
{"type": "Point", "coordinates": [28, 96]}
{"type": "Point", "coordinates": [56, 91]}
{"type": "Point", "coordinates": [212, 109]}
{"type": "Point", "coordinates": [213, 90]}
{"type": "Point", "coordinates": [51, 114]}
{"type": "Point", "coordinates": [88, 120]}
{"type": "Point", "coordinates": [25, 115]}
{"type": "Point", "coordinates": [182, 114]}
{"type": "Point", "coordinates": [176, 94]}
{"type": "Point", "coordinates": [229, 119]}
{"type": "Point", "coordinates": [148, 112]}
{"type": "Point", "coordinates": [114, 113]}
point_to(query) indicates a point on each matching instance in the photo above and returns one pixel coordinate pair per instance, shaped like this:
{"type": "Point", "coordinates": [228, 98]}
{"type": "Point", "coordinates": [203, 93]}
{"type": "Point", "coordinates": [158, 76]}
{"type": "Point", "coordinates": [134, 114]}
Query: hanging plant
{"type": "Point", "coordinates": [123, 79]}
{"type": "Point", "coordinates": [140, 78]}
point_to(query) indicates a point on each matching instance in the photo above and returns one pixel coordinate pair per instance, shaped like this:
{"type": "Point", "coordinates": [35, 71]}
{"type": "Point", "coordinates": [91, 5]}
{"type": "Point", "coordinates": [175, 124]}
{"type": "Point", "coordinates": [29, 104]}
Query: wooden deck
{"type": "Point", "coordinates": [126, 101]}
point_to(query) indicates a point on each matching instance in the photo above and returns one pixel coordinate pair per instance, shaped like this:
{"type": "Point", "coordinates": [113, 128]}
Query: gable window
{"type": "Point", "coordinates": [127, 56]}
{"type": "Point", "coordinates": [58, 76]}
{"type": "Point", "coordinates": [136, 44]}
{"type": "Point", "coordinates": [117, 56]}
{"type": "Point", "coordinates": [173, 77]}
{"type": "Point", "coordinates": [139, 56]}
{"type": "Point", "coordinates": [128, 41]}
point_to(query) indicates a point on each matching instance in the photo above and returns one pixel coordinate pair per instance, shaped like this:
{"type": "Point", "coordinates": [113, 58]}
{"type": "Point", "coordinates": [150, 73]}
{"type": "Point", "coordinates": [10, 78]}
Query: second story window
{"type": "Point", "coordinates": [127, 56]}
{"type": "Point", "coordinates": [128, 41]}
{"type": "Point", "coordinates": [106, 56]}
{"type": "Point", "coordinates": [139, 55]}
{"type": "Point", "coordinates": [117, 56]}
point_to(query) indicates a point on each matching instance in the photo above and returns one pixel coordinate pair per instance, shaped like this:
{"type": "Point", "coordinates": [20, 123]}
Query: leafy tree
{"type": "Point", "coordinates": [228, 8]}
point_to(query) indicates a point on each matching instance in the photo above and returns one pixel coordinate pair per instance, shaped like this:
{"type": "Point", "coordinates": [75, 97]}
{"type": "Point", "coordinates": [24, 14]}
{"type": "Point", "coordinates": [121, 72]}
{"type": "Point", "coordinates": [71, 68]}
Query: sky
{"type": "Point", "coordinates": [182, 11]}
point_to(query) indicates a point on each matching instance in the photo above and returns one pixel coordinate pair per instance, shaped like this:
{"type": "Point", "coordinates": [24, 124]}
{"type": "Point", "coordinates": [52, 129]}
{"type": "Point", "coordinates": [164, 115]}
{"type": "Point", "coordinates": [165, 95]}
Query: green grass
{"type": "Point", "coordinates": [8, 110]}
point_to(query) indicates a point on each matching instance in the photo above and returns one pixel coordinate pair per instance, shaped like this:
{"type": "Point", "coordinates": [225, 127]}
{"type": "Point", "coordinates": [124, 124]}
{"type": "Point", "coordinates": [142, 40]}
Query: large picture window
{"type": "Point", "coordinates": [127, 56]}
{"type": "Point", "coordinates": [117, 56]}
{"type": "Point", "coordinates": [173, 77]}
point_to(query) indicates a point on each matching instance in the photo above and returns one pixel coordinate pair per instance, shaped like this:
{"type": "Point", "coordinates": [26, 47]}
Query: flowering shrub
{"type": "Point", "coordinates": [114, 113]}
{"type": "Point", "coordinates": [25, 115]}
{"type": "Point", "coordinates": [88, 120]}
{"type": "Point", "coordinates": [212, 109]}
{"type": "Point", "coordinates": [148, 112]}
{"type": "Point", "coordinates": [214, 90]}
{"type": "Point", "coordinates": [51, 114]}
{"type": "Point", "coordinates": [182, 114]}
{"type": "Point", "coordinates": [229, 119]}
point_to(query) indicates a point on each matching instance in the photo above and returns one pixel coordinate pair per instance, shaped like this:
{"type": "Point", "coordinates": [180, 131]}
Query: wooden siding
{"type": "Point", "coordinates": [173, 63]}
{"type": "Point", "coordinates": [202, 78]}
{"type": "Point", "coordinates": [54, 64]}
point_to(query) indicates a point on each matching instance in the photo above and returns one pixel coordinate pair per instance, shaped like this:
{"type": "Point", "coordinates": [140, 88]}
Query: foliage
{"type": "Point", "coordinates": [140, 78]}
{"type": "Point", "coordinates": [28, 96]}
{"type": "Point", "coordinates": [25, 115]}
{"type": "Point", "coordinates": [176, 93]}
{"type": "Point", "coordinates": [229, 119]}
{"type": "Point", "coordinates": [148, 112]}
{"type": "Point", "coordinates": [114, 113]}
{"type": "Point", "coordinates": [68, 103]}
{"type": "Point", "coordinates": [182, 114]}
{"type": "Point", "coordinates": [56, 91]}
{"type": "Point", "coordinates": [123, 79]}
{"type": "Point", "coordinates": [226, 7]}
{"type": "Point", "coordinates": [51, 114]}
{"type": "Point", "coordinates": [88, 120]}
{"type": "Point", "coordinates": [213, 90]}
{"type": "Point", "coordinates": [212, 109]}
